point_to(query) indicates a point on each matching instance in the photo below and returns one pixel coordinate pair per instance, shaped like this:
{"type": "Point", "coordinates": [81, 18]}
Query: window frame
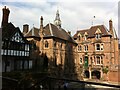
{"type": "Point", "coordinates": [46, 44]}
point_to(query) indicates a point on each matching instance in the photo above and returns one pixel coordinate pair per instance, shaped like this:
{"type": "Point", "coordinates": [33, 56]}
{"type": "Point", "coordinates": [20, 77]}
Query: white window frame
{"type": "Point", "coordinates": [85, 48]}
{"type": "Point", "coordinates": [97, 47]}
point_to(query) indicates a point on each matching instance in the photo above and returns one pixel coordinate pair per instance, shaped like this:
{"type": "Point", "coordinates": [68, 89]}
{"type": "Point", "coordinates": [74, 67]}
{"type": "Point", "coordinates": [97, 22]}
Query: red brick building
{"type": "Point", "coordinates": [98, 51]}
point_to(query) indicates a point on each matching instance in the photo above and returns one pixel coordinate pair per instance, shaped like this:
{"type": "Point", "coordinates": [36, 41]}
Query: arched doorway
{"type": "Point", "coordinates": [86, 73]}
{"type": "Point", "coordinates": [96, 74]}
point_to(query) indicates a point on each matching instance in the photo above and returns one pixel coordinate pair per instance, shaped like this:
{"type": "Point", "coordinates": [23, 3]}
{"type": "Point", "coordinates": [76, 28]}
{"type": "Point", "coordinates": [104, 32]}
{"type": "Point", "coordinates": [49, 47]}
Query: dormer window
{"type": "Point", "coordinates": [98, 36]}
{"type": "Point", "coordinates": [79, 36]}
{"type": "Point", "coordinates": [98, 33]}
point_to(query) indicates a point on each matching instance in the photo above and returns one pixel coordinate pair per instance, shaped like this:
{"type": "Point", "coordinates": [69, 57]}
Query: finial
{"type": "Point", "coordinates": [110, 20]}
{"type": "Point", "coordinates": [41, 17]}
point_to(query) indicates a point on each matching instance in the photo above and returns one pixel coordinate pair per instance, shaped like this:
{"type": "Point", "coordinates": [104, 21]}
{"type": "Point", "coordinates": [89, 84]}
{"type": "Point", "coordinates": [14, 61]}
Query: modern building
{"type": "Point", "coordinates": [97, 51]}
{"type": "Point", "coordinates": [15, 48]}
{"type": "Point", "coordinates": [53, 46]}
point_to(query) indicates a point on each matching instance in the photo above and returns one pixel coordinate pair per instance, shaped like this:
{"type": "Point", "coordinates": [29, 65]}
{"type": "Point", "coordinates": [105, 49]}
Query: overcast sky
{"type": "Point", "coordinates": [74, 14]}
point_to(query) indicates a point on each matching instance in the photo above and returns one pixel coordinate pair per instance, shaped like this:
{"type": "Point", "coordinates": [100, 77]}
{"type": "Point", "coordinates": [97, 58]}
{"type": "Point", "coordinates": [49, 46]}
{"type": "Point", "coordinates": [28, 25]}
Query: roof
{"type": "Point", "coordinates": [33, 32]}
{"type": "Point", "coordinates": [92, 30]}
{"type": "Point", "coordinates": [50, 30]}
{"type": "Point", "coordinates": [8, 30]}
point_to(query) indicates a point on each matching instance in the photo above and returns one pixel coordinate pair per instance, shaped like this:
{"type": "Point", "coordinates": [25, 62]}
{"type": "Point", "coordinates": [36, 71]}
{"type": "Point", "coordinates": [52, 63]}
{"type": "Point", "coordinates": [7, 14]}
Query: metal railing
{"type": "Point", "coordinates": [52, 83]}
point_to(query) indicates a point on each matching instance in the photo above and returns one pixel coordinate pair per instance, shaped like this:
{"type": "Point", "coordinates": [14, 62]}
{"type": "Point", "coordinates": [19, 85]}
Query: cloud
{"type": "Point", "coordinates": [75, 15]}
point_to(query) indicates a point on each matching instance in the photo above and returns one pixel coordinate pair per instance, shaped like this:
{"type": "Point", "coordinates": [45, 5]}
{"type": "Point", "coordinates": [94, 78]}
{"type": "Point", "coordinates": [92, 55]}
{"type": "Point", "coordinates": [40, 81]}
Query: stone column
{"type": "Point", "coordinates": [90, 74]}
{"type": "Point", "coordinates": [101, 73]}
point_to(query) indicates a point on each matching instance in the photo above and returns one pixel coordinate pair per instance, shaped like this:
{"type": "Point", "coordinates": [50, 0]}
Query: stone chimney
{"type": "Point", "coordinates": [111, 27]}
{"type": "Point", "coordinates": [41, 26]}
{"type": "Point", "coordinates": [5, 17]}
{"type": "Point", "coordinates": [25, 28]}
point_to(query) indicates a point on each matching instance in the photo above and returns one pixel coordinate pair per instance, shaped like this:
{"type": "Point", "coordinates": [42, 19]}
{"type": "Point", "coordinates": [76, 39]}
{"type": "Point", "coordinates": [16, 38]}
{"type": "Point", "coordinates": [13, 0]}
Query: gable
{"type": "Point", "coordinates": [17, 38]}
{"type": "Point", "coordinates": [98, 31]}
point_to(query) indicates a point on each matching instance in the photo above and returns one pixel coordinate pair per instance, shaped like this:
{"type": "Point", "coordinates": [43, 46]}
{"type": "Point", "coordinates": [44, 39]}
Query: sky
{"type": "Point", "coordinates": [74, 14]}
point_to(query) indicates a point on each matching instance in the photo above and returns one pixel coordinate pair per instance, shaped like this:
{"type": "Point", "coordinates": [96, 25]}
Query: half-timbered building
{"type": "Point", "coordinates": [15, 48]}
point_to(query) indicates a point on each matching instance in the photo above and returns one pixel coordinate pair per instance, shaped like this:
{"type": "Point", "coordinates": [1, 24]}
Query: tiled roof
{"type": "Point", "coordinates": [54, 31]}
{"type": "Point", "coordinates": [33, 32]}
{"type": "Point", "coordinates": [8, 30]}
{"type": "Point", "coordinates": [92, 30]}
{"type": "Point", "coordinates": [81, 32]}
{"type": "Point", "coordinates": [50, 30]}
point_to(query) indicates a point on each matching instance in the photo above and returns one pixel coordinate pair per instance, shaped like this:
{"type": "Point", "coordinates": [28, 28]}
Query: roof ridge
{"type": "Point", "coordinates": [50, 29]}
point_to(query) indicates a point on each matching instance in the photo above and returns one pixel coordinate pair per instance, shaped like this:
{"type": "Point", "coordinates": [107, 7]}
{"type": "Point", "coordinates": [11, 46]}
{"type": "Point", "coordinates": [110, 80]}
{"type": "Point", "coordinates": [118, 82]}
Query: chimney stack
{"type": "Point", "coordinates": [25, 28]}
{"type": "Point", "coordinates": [111, 27]}
{"type": "Point", "coordinates": [41, 26]}
{"type": "Point", "coordinates": [5, 17]}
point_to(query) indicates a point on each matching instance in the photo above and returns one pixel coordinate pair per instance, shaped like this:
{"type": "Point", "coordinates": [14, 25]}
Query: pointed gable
{"type": "Point", "coordinates": [50, 30]}
{"type": "Point", "coordinates": [92, 31]}
{"type": "Point", "coordinates": [98, 31]}
{"type": "Point", "coordinates": [12, 33]}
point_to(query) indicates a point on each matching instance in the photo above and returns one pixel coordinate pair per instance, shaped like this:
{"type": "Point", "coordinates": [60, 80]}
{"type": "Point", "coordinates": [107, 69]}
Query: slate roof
{"type": "Point", "coordinates": [91, 31]}
{"type": "Point", "coordinates": [50, 30]}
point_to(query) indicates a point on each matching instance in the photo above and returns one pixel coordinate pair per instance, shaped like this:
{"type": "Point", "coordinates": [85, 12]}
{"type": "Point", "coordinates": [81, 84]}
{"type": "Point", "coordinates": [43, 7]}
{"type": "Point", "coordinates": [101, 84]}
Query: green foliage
{"type": "Point", "coordinates": [105, 70]}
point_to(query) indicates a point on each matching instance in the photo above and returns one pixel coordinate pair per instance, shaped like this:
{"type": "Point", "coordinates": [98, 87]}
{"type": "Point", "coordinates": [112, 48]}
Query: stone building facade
{"type": "Point", "coordinates": [97, 51]}
{"type": "Point", "coordinates": [54, 48]}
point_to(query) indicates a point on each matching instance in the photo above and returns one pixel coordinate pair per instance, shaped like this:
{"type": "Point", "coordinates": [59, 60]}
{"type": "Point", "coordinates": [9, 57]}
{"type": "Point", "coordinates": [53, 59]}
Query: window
{"type": "Point", "coordinates": [98, 36]}
{"type": "Point", "coordinates": [79, 37]}
{"type": "Point", "coordinates": [1, 51]}
{"type": "Point", "coordinates": [5, 52]}
{"type": "Point", "coordinates": [8, 52]}
{"type": "Point", "coordinates": [46, 44]}
{"type": "Point", "coordinates": [61, 45]}
{"type": "Point", "coordinates": [80, 60]}
{"type": "Point", "coordinates": [12, 52]}
{"type": "Point", "coordinates": [98, 47]}
{"type": "Point", "coordinates": [80, 48]}
{"type": "Point", "coordinates": [101, 46]}
{"type": "Point", "coordinates": [86, 47]}
{"type": "Point", "coordinates": [101, 60]}
{"type": "Point", "coordinates": [17, 38]}
{"type": "Point", "coordinates": [98, 60]}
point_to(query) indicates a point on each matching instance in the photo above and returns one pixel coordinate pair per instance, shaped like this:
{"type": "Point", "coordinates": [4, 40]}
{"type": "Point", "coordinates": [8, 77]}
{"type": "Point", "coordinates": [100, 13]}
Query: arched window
{"type": "Point", "coordinates": [46, 44]}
